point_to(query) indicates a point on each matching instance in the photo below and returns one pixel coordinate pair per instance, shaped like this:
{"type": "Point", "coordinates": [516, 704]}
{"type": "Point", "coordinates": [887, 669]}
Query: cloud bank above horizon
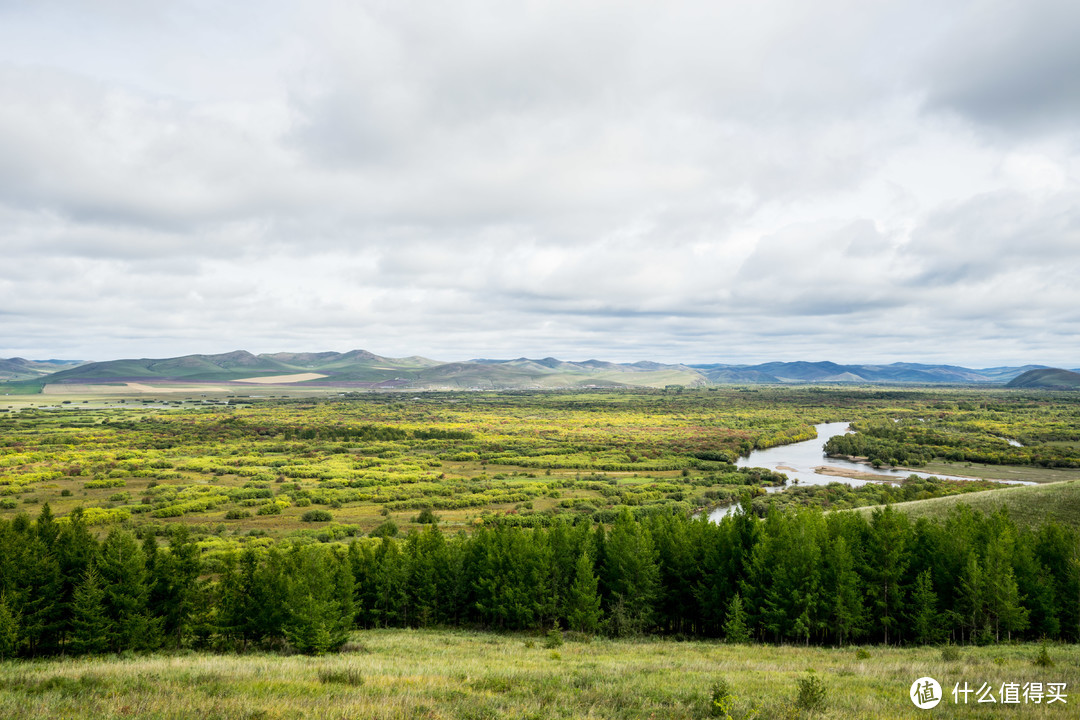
{"type": "Point", "coordinates": [688, 181]}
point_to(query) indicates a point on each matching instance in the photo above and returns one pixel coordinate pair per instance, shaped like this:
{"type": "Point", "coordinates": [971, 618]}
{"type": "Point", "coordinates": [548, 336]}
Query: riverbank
{"type": "Point", "coordinates": [1023, 473]}
{"type": "Point", "coordinates": [855, 474]}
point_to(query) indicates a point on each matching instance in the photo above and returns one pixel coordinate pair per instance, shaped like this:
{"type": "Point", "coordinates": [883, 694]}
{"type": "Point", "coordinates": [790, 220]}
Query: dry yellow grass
{"type": "Point", "coordinates": [281, 379]}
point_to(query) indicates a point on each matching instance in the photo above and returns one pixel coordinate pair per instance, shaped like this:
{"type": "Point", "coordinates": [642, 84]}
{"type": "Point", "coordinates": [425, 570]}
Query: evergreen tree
{"type": "Point", "coordinates": [75, 550]}
{"type": "Point", "coordinates": [631, 576]}
{"type": "Point", "coordinates": [89, 625]}
{"type": "Point", "coordinates": [319, 601]}
{"type": "Point", "coordinates": [175, 578]}
{"type": "Point", "coordinates": [847, 614]}
{"type": "Point", "coordinates": [40, 612]}
{"type": "Point", "coordinates": [237, 613]}
{"type": "Point", "coordinates": [583, 600]}
{"type": "Point", "coordinates": [430, 584]}
{"type": "Point", "coordinates": [677, 570]}
{"type": "Point", "coordinates": [735, 628]}
{"type": "Point", "coordinates": [925, 620]}
{"type": "Point", "coordinates": [970, 602]}
{"type": "Point", "coordinates": [270, 592]}
{"type": "Point", "coordinates": [887, 541]}
{"type": "Point", "coordinates": [46, 527]}
{"type": "Point", "coordinates": [390, 583]}
{"type": "Point", "coordinates": [123, 576]}
{"type": "Point", "coordinates": [1002, 595]}
{"type": "Point", "coordinates": [9, 629]}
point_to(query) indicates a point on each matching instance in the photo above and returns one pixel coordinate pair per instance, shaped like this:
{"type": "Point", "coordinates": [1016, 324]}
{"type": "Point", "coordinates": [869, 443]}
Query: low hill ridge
{"type": "Point", "coordinates": [363, 369]}
{"type": "Point", "coordinates": [1049, 378]}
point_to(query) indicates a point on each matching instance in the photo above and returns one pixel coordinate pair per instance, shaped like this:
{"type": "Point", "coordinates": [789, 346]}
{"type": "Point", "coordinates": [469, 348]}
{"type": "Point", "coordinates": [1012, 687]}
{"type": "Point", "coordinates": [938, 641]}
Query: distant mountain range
{"type": "Point", "coordinates": [20, 369]}
{"type": "Point", "coordinates": [364, 370]}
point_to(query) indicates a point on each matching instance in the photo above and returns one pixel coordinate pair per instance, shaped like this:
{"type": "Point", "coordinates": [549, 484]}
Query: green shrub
{"type": "Point", "coordinates": [237, 515]}
{"type": "Point", "coordinates": [811, 694]}
{"type": "Point", "coordinates": [862, 654]}
{"type": "Point", "coordinates": [1043, 659]}
{"type": "Point", "coordinates": [387, 529]}
{"type": "Point", "coordinates": [316, 515]}
{"type": "Point", "coordinates": [722, 700]}
{"type": "Point", "coordinates": [950, 653]}
{"type": "Point", "coordinates": [426, 517]}
{"type": "Point", "coordinates": [553, 639]}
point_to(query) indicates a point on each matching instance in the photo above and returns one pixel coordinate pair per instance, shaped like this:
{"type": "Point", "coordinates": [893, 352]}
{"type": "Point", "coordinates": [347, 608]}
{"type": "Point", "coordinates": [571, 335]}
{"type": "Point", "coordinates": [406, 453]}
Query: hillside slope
{"type": "Point", "coordinates": [362, 369]}
{"type": "Point", "coordinates": [1047, 378]}
{"type": "Point", "coordinates": [1028, 505]}
{"type": "Point", "coordinates": [18, 368]}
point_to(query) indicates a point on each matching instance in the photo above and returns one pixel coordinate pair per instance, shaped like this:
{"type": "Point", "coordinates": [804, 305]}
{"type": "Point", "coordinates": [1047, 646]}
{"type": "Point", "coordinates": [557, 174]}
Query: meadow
{"type": "Point", "coordinates": [437, 674]}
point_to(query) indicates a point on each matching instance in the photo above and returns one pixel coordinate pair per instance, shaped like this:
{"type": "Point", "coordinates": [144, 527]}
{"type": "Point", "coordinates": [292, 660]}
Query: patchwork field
{"type": "Point", "coordinates": [237, 468]}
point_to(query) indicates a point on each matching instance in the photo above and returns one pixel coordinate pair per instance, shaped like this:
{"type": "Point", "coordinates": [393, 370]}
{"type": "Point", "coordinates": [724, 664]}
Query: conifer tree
{"type": "Point", "coordinates": [888, 561]}
{"type": "Point", "coordinates": [736, 629]}
{"type": "Point", "coordinates": [390, 585]}
{"type": "Point", "coordinates": [9, 629]}
{"type": "Point", "coordinates": [970, 602]}
{"type": "Point", "coordinates": [583, 599]}
{"type": "Point", "coordinates": [631, 576]}
{"type": "Point", "coordinates": [123, 577]}
{"type": "Point", "coordinates": [89, 625]}
{"type": "Point", "coordinates": [319, 601]}
{"type": "Point", "coordinates": [847, 614]}
{"type": "Point", "coordinates": [175, 578]}
{"type": "Point", "coordinates": [925, 619]}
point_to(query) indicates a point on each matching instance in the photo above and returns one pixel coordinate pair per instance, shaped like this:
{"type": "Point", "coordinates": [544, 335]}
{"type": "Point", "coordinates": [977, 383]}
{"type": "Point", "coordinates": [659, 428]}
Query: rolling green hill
{"type": "Point", "coordinates": [17, 368]}
{"type": "Point", "coordinates": [362, 369]}
{"type": "Point", "coordinates": [1027, 504]}
{"type": "Point", "coordinates": [1047, 378]}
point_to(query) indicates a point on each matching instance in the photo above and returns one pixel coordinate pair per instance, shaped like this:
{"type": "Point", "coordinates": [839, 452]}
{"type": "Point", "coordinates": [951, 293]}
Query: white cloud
{"type": "Point", "coordinates": [686, 181]}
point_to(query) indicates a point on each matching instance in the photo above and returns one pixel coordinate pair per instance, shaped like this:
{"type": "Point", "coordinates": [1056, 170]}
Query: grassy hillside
{"type": "Point", "coordinates": [21, 369]}
{"type": "Point", "coordinates": [1027, 504]}
{"type": "Point", "coordinates": [360, 368]}
{"type": "Point", "coordinates": [459, 675]}
{"type": "Point", "coordinates": [1049, 378]}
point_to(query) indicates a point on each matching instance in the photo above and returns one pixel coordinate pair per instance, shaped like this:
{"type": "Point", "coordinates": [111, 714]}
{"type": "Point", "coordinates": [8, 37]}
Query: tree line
{"type": "Point", "coordinates": [800, 576]}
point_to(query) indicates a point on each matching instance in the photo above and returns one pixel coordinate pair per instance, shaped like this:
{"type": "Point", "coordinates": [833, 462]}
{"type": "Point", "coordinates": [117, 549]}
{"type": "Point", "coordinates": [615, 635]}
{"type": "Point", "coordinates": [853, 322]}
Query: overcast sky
{"type": "Point", "coordinates": [680, 181]}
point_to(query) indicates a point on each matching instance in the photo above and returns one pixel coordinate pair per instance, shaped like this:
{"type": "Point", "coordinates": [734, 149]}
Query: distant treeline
{"type": "Point", "coordinates": [913, 444]}
{"type": "Point", "coordinates": [798, 576]}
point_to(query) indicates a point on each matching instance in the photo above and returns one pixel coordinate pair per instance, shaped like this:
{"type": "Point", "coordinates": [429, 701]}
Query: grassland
{"type": "Point", "coordinates": [397, 674]}
{"type": "Point", "coordinates": [1028, 505]}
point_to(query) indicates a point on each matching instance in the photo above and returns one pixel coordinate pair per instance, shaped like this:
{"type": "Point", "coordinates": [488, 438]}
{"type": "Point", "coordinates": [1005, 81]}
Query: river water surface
{"type": "Point", "coordinates": [799, 460]}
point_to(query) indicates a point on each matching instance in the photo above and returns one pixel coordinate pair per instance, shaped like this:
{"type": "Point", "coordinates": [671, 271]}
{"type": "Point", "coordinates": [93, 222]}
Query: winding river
{"type": "Point", "coordinates": [799, 460]}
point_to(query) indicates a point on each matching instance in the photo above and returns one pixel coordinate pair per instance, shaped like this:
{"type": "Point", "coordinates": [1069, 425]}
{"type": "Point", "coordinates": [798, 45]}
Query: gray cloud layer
{"type": "Point", "coordinates": [688, 181]}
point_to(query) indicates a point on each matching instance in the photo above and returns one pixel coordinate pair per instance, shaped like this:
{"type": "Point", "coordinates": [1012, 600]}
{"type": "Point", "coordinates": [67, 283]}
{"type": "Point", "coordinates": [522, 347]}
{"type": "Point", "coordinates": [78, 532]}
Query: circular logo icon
{"type": "Point", "coordinates": [925, 693]}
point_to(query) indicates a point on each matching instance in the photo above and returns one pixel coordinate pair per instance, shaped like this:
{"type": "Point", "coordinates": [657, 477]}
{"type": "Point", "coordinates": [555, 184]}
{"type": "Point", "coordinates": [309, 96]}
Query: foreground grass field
{"type": "Point", "coordinates": [440, 674]}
